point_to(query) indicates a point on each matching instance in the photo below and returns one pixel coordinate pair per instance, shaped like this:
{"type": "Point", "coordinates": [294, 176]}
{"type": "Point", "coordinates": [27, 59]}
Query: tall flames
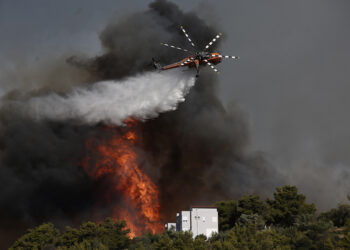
{"type": "Point", "coordinates": [130, 194]}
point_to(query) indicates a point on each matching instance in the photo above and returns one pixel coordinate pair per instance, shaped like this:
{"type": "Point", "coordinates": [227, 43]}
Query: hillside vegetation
{"type": "Point", "coordinates": [284, 222]}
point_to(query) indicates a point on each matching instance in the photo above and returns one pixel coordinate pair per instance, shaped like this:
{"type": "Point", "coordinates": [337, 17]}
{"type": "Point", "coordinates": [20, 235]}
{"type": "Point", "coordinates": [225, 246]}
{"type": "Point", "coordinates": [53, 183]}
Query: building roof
{"type": "Point", "coordinates": [203, 206]}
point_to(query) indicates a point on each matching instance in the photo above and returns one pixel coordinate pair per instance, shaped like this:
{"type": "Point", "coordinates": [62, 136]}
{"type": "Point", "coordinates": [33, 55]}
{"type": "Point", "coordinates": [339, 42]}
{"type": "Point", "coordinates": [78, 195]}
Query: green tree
{"type": "Point", "coordinates": [271, 239]}
{"type": "Point", "coordinates": [247, 219]}
{"type": "Point", "coordinates": [252, 238]}
{"type": "Point", "coordinates": [251, 204]}
{"type": "Point", "coordinates": [228, 214]}
{"type": "Point", "coordinates": [344, 236]}
{"type": "Point", "coordinates": [163, 242]}
{"type": "Point", "coordinates": [344, 242]}
{"type": "Point", "coordinates": [287, 206]}
{"type": "Point", "coordinates": [37, 238]}
{"type": "Point", "coordinates": [110, 234]}
{"type": "Point", "coordinates": [85, 245]}
{"type": "Point", "coordinates": [328, 244]}
{"type": "Point", "coordinates": [146, 240]}
{"type": "Point", "coordinates": [315, 231]}
{"type": "Point", "coordinates": [114, 234]}
{"type": "Point", "coordinates": [338, 215]}
{"type": "Point", "coordinates": [292, 224]}
{"type": "Point", "coordinates": [68, 238]}
{"type": "Point", "coordinates": [218, 241]}
{"type": "Point", "coordinates": [169, 241]}
{"type": "Point", "coordinates": [182, 240]}
{"type": "Point", "coordinates": [200, 242]}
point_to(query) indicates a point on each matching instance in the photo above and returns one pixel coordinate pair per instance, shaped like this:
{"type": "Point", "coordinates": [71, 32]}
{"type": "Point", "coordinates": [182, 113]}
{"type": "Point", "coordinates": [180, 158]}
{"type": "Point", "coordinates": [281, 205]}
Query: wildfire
{"type": "Point", "coordinates": [116, 159]}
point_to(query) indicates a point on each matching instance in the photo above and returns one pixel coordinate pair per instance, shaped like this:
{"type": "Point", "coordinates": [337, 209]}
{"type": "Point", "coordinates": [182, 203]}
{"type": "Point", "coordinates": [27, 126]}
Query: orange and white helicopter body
{"type": "Point", "coordinates": [196, 60]}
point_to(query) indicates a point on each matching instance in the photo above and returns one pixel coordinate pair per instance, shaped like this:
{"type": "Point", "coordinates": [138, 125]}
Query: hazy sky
{"type": "Point", "coordinates": [292, 80]}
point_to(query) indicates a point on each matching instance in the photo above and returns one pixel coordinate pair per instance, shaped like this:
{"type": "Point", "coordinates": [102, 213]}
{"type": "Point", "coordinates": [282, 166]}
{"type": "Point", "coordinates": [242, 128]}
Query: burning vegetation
{"type": "Point", "coordinates": [131, 196]}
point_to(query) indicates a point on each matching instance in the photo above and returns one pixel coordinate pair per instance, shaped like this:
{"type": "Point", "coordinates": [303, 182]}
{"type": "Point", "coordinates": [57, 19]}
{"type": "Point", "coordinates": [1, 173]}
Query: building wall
{"type": "Point", "coordinates": [183, 221]}
{"type": "Point", "coordinates": [170, 227]}
{"type": "Point", "coordinates": [204, 221]}
{"type": "Point", "coordinates": [200, 220]}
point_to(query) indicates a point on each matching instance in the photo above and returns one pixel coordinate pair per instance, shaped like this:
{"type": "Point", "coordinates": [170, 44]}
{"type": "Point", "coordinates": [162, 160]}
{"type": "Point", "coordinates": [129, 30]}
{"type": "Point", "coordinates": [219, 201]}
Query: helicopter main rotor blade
{"type": "Point", "coordinates": [213, 41]}
{"type": "Point", "coordinates": [231, 57]}
{"type": "Point", "coordinates": [187, 61]}
{"type": "Point", "coordinates": [174, 47]}
{"type": "Point", "coordinates": [212, 67]}
{"type": "Point", "coordinates": [188, 38]}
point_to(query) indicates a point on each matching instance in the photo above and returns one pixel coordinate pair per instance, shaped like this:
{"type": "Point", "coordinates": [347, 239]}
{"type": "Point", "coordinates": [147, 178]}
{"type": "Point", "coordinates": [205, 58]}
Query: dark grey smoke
{"type": "Point", "coordinates": [196, 155]}
{"type": "Point", "coordinates": [130, 42]}
{"type": "Point", "coordinates": [39, 177]}
{"type": "Point", "coordinates": [199, 153]}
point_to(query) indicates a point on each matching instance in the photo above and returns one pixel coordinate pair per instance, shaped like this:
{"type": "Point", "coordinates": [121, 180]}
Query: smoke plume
{"type": "Point", "coordinates": [197, 154]}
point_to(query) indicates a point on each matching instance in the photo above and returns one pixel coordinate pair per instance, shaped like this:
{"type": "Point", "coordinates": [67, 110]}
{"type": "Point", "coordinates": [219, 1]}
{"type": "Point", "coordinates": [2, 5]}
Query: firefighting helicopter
{"type": "Point", "coordinates": [199, 58]}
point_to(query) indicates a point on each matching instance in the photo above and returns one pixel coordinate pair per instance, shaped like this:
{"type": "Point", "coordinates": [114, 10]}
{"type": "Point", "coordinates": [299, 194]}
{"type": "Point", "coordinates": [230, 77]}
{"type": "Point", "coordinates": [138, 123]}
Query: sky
{"type": "Point", "coordinates": [292, 81]}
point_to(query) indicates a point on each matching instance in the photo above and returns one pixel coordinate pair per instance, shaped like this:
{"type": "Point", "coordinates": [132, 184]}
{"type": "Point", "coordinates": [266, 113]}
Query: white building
{"type": "Point", "coordinates": [170, 227]}
{"type": "Point", "coordinates": [183, 221]}
{"type": "Point", "coordinates": [199, 220]}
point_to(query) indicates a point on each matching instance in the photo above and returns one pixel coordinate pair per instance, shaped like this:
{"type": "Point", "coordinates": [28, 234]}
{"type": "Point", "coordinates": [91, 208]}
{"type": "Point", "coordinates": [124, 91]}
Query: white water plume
{"type": "Point", "coordinates": [140, 97]}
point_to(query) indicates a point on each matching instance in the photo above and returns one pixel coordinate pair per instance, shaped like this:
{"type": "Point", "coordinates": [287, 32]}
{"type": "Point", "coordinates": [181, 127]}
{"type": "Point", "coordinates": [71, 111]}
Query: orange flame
{"type": "Point", "coordinates": [117, 158]}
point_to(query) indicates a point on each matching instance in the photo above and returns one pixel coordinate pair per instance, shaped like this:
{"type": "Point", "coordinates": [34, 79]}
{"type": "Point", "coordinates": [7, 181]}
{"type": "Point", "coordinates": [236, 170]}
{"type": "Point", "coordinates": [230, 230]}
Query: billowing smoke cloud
{"type": "Point", "coordinates": [201, 149]}
{"type": "Point", "coordinates": [39, 177]}
{"type": "Point", "coordinates": [140, 97]}
{"type": "Point", "coordinates": [197, 154]}
{"type": "Point", "coordinates": [41, 76]}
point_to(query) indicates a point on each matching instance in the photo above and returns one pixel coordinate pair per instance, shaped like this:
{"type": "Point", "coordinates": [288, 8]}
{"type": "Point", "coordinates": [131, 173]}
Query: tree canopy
{"type": "Point", "coordinates": [285, 222]}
